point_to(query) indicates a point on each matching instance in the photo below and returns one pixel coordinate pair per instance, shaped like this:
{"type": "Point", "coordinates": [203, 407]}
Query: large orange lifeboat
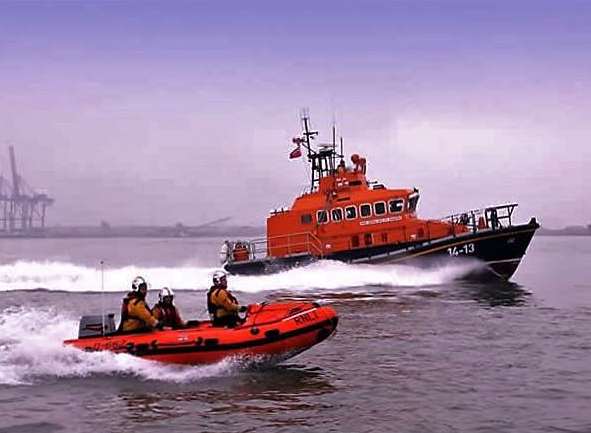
{"type": "Point", "coordinates": [346, 217]}
{"type": "Point", "coordinates": [269, 333]}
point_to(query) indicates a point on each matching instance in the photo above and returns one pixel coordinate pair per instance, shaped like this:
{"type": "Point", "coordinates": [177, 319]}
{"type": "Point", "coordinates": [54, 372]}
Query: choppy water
{"type": "Point", "coordinates": [415, 351]}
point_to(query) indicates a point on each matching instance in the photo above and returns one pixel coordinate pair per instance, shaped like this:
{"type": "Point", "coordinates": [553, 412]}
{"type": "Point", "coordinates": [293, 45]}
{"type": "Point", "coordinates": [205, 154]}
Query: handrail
{"type": "Point", "coordinates": [491, 217]}
{"type": "Point", "coordinates": [258, 248]}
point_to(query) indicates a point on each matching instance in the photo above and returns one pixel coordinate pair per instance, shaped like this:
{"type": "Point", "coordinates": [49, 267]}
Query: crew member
{"type": "Point", "coordinates": [135, 313]}
{"type": "Point", "coordinates": [223, 307]}
{"type": "Point", "coordinates": [165, 311]}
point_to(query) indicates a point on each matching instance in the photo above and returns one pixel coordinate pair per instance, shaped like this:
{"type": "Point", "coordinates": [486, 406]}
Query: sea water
{"type": "Point", "coordinates": [416, 350]}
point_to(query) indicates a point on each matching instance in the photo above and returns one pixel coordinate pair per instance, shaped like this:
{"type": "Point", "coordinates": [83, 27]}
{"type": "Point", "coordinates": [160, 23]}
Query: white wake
{"type": "Point", "coordinates": [31, 349]}
{"type": "Point", "coordinates": [25, 275]}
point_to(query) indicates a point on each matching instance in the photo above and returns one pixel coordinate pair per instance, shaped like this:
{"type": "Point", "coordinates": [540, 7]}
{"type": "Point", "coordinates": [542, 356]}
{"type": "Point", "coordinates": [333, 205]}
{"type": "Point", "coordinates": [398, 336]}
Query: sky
{"type": "Point", "coordinates": [158, 112]}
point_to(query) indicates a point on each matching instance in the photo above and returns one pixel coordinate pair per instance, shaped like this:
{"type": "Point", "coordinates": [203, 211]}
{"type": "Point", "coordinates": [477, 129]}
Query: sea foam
{"type": "Point", "coordinates": [31, 350]}
{"type": "Point", "coordinates": [28, 275]}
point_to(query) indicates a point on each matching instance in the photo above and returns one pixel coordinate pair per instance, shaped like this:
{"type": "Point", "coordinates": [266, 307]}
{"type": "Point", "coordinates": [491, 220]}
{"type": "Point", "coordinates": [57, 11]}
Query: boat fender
{"type": "Point", "coordinates": [254, 330]}
{"type": "Point", "coordinates": [88, 349]}
{"type": "Point", "coordinates": [130, 348]}
{"type": "Point", "coordinates": [154, 345]}
{"type": "Point", "coordinates": [198, 341]}
{"type": "Point", "coordinates": [210, 342]}
{"type": "Point", "coordinates": [272, 334]}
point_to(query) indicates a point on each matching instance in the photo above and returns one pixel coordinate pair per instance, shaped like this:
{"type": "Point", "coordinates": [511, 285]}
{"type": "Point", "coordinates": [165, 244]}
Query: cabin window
{"type": "Point", "coordinates": [379, 208]}
{"type": "Point", "coordinates": [322, 217]}
{"type": "Point", "coordinates": [306, 218]}
{"type": "Point", "coordinates": [365, 210]}
{"type": "Point", "coordinates": [396, 205]}
{"type": "Point", "coordinates": [337, 214]}
{"type": "Point", "coordinates": [350, 212]}
{"type": "Point", "coordinates": [412, 202]}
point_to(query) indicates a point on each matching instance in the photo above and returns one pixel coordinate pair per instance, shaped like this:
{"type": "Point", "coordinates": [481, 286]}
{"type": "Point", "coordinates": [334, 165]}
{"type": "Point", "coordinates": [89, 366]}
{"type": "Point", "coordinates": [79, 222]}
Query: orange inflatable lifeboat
{"type": "Point", "coordinates": [270, 332]}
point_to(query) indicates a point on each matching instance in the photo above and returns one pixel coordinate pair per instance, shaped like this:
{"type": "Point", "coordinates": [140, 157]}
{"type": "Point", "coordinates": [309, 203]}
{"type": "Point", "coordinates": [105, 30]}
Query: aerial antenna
{"type": "Point", "coordinates": [334, 142]}
{"type": "Point", "coordinates": [334, 136]}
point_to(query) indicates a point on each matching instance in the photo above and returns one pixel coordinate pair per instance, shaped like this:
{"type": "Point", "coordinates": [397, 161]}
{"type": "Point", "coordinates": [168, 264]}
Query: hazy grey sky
{"type": "Point", "coordinates": [158, 112]}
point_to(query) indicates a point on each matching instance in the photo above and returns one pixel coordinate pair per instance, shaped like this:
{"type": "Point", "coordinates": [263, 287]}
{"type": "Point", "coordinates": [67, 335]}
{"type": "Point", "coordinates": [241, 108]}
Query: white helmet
{"type": "Point", "coordinates": [217, 277]}
{"type": "Point", "coordinates": [164, 292]}
{"type": "Point", "coordinates": [137, 282]}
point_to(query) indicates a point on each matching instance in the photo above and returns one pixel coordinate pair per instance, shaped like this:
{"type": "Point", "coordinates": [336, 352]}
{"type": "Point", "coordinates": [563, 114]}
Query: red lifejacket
{"type": "Point", "coordinates": [481, 223]}
{"type": "Point", "coordinates": [167, 314]}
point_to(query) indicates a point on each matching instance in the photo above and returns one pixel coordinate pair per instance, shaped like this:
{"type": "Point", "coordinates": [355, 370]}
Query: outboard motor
{"type": "Point", "coordinates": [91, 326]}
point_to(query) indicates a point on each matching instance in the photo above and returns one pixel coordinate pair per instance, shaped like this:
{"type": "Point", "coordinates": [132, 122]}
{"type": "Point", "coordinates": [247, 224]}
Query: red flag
{"type": "Point", "coordinates": [296, 153]}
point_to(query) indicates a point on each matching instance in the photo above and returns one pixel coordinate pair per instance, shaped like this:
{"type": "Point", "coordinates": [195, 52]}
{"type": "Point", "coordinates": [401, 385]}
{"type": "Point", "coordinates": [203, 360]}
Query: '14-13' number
{"type": "Point", "coordinates": [463, 250]}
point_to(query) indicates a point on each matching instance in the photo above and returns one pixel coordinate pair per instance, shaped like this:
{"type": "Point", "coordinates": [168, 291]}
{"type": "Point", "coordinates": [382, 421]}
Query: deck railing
{"type": "Point", "coordinates": [307, 243]}
{"type": "Point", "coordinates": [492, 217]}
{"type": "Point", "coordinates": [282, 245]}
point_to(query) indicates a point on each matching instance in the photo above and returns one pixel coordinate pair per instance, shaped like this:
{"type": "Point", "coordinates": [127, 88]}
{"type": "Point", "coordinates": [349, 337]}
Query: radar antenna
{"type": "Point", "coordinates": [323, 158]}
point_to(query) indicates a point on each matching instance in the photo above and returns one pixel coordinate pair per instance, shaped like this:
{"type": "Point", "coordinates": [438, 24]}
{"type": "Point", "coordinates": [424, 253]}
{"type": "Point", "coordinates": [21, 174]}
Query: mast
{"type": "Point", "coordinates": [323, 158]}
{"type": "Point", "coordinates": [334, 144]}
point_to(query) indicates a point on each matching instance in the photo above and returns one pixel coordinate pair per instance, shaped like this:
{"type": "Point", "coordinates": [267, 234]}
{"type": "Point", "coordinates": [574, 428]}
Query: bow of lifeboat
{"type": "Point", "coordinates": [270, 332]}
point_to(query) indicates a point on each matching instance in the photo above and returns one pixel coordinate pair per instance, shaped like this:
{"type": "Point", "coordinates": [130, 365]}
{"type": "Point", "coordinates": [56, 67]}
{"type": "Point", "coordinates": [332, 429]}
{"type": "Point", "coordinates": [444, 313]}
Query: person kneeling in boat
{"type": "Point", "coordinates": [166, 312]}
{"type": "Point", "coordinates": [223, 307]}
{"type": "Point", "coordinates": [136, 316]}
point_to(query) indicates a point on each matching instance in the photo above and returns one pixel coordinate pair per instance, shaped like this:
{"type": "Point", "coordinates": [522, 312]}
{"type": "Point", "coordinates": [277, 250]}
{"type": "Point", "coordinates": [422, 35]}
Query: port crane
{"type": "Point", "coordinates": [22, 208]}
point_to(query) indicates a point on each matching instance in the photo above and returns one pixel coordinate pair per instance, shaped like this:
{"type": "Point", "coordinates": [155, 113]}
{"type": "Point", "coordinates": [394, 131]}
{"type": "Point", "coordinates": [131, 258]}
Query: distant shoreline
{"type": "Point", "coordinates": [567, 231]}
{"type": "Point", "coordinates": [180, 231]}
{"type": "Point", "coordinates": [156, 232]}
{"type": "Point", "coordinates": [561, 233]}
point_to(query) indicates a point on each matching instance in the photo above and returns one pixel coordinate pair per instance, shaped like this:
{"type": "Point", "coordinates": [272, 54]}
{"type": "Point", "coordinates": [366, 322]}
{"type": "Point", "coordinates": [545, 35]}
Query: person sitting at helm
{"type": "Point", "coordinates": [135, 313]}
{"type": "Point", "coordinates": [165, 311]}
{"type": "Point", "coordinates": [223, 307]}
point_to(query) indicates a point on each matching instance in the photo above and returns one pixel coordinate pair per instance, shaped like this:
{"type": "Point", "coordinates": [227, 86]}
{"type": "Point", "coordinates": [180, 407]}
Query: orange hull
{"type": "Point", "coordinates": [271, 332]}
